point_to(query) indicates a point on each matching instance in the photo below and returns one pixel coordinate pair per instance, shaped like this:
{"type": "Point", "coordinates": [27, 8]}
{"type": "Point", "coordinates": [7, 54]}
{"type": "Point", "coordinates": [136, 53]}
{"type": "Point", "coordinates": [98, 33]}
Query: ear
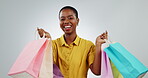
{"type": "Point", "coordinates": [77, 21]}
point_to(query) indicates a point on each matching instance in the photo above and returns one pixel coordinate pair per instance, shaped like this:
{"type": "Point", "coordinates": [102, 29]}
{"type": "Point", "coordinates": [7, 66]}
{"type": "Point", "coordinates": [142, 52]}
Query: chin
{"type": "Point", "coordinates": [68, 33]}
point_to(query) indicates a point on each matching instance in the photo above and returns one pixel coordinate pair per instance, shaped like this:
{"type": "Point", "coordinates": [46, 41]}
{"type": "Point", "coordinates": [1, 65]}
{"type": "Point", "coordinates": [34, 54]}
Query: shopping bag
{"type": "Point", "coordinates": [116, 73]}
{"type": "Point", "coordinates": [46, 70]}
{"type": "Point", "coordinates": [56, 72]}
{"type": "Point", "coordinates": [106, 71]}
{"type": "Point", "coordinates": [29, 61]}
{"type": "Point", "coordinates": [128, 65]}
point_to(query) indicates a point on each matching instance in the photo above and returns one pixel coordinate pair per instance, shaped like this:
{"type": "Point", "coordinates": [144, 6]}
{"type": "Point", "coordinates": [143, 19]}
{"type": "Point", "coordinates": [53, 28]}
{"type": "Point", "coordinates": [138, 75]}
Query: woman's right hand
{"type": "Point", "coordinates": [41, 32]}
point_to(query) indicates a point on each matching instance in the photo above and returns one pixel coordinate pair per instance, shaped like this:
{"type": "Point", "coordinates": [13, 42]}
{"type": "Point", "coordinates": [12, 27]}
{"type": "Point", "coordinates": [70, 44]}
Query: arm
{"type": "Point", "coordinates": [96, 66]}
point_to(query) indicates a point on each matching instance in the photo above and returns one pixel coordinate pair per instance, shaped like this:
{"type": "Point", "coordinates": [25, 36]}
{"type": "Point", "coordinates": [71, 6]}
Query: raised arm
{"type": "Point", "coordinates": [96, 66]}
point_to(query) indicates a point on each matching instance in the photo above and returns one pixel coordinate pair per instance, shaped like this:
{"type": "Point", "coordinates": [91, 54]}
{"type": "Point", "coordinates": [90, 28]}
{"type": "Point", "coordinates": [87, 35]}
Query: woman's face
{"type": "Point", "coordinates": [68, 21]}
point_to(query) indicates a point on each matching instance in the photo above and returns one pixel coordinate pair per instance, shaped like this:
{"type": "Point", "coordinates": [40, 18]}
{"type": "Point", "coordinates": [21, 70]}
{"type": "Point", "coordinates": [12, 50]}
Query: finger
{"type": "Point", "coordinates": [41, 35]}
{"type": "Point", "coordinates": [40, 31]}
{"type": "Point", "coordinates": [103, 34]}
{"type": "Point", "coordinates": [106, 35]}
{"type": "Point", "coordinates": [46, 36]}
{"type": "Point", "coordinates": [106, 32]}
{"type": "Point", "coordinates": [102, 37]}
{"type": "Point", "coordinates": [43, 30]}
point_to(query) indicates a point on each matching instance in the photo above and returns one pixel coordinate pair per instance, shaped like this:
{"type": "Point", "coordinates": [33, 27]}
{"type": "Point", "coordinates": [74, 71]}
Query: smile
{"type": "Point", "coordinates": [67, 28]}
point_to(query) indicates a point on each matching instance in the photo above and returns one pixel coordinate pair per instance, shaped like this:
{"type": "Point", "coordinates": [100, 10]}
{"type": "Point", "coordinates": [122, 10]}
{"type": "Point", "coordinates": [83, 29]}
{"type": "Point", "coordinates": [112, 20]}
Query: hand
{"type": "Point", "coordinates": [41, 32]}
{"type": "Point", "coordinates": [100, 39]}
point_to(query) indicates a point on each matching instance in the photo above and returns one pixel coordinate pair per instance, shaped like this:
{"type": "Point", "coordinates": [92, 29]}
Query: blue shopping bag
{"type": "Point", "coordinates": [128, 65]}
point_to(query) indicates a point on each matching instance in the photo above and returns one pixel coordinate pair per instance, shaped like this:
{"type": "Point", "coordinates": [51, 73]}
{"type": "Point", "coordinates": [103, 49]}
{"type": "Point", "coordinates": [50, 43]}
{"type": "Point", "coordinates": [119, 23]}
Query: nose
{"type": "Point", "coordinates": [66, 21]}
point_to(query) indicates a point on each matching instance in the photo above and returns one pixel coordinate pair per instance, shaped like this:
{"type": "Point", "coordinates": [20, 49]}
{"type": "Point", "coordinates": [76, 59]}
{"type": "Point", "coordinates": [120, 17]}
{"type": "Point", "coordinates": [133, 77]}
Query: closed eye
{"type": "Point", "coordinates": [62, 19]}
{"type": "Point", "coordinates": [70, 18]}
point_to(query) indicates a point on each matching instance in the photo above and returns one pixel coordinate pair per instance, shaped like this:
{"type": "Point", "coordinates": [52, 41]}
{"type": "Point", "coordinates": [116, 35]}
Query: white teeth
{"type": "Point", "coordinates": [67, 26]}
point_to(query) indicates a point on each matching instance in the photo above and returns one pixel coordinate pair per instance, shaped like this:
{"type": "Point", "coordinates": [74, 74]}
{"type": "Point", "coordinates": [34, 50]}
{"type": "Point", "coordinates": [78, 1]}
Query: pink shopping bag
{"type": "Point", "coordinates": [46, 70]}
{"type": "Point", "coordinates": [29, 61]}
{"type": "Point", "coordinates": [106, 71]}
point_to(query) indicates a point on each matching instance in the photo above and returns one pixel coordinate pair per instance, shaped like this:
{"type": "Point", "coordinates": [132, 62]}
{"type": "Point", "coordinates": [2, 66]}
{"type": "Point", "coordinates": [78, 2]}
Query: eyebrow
{"type": "Point", "coordinates": [66, 16]}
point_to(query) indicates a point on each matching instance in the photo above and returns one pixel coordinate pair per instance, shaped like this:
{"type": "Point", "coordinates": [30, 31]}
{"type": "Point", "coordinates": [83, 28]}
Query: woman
{"type": "Point", "coordinates": [72, 54]}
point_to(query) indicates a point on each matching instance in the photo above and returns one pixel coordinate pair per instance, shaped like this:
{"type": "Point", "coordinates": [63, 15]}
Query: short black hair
{"type": "Point", "coordinates": [70, 7]}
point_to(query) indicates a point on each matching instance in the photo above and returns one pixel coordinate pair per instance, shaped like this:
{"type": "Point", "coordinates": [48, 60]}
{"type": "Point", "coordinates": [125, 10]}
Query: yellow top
{"type": "Point", "coordinates": [73, 60]}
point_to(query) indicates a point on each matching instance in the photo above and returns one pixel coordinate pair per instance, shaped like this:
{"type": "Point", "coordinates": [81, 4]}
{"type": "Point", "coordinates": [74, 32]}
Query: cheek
{"type": "Point", "coordinates": [61, 24]}
{"type": "Point", "coordinates": [75, 23]}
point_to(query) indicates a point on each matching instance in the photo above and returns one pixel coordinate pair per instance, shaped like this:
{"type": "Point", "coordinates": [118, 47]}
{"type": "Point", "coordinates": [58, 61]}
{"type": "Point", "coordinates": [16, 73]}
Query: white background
{"type": "Point", "coordinates": [125, 20]}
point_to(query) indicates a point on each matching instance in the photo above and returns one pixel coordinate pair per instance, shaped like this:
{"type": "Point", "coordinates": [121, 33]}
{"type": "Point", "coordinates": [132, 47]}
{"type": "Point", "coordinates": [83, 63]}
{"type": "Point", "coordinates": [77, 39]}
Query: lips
{"type": "Point", "coordinates": [67, 28]}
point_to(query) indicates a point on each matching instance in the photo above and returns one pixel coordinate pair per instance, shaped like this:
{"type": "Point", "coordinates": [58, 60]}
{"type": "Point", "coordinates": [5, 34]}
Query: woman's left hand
{"type": "Point", "coordinates": [100, 39]}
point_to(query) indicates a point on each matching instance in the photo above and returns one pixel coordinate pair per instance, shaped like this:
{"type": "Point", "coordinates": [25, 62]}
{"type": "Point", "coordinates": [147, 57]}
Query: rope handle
{"type": "Point", "coordinates": [108, 41]}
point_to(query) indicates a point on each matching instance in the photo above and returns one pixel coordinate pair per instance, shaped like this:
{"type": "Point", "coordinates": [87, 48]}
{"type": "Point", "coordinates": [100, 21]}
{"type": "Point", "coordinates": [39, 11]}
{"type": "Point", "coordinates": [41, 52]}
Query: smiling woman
{"type": "Point", "coordinates": [72, 54]}
{"type": "Point", "coordinates": [125, 20]}
{"type": "Point", "coordinates": [68, 21]}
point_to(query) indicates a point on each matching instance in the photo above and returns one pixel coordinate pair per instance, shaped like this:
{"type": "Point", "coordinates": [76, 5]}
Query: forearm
{"type": "Point", "coordinates": [96, 66]}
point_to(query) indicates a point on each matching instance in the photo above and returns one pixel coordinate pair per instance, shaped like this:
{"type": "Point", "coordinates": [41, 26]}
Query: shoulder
{"type": "Point", "coordinates": [56, 40]}
{"type": "Point", "coordinates": [55, 43]}
{"type": "Point", "coordinates": [87, 42]}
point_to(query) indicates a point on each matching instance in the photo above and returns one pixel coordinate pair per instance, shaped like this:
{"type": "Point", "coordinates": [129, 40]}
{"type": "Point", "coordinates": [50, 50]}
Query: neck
{"type": "Point", "coordinates": [69, 38]}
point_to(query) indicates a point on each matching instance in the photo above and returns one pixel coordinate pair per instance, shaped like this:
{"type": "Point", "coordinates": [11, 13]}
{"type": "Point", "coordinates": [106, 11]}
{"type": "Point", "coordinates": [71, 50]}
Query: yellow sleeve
{"type": "Point", "coordinates": [54, 51]}
{"type": "Point", "coordinates": [91, 54]}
